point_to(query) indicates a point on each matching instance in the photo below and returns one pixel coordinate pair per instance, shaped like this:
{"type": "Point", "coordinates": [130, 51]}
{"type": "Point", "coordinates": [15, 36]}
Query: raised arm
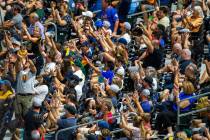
{"type": "Point", "coordinates": [91, 65]}
{"type": "Point", "coordinates": [136, 101]}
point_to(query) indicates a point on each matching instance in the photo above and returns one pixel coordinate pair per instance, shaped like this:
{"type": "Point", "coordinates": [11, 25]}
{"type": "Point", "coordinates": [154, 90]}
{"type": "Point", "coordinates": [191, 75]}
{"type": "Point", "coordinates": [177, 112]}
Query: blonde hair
{"type": "Point", "coordinates": [182, 135]}
{"type": "Point", "coordinates": [188, 87]}
{"type": "Point", "coordinates": [138, 122]}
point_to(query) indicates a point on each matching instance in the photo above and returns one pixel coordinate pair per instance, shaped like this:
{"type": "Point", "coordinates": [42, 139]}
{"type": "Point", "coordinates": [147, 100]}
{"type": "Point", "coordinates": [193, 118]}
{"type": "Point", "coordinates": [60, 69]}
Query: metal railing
{"type": "Point", "coordinates": [56, 30]}
{"type": "Point", "coordinates": [191, 112]}
{"type": "Point", "coordinates": [76, 126]}
{"type": "Point", "coordinates": [140, 13]}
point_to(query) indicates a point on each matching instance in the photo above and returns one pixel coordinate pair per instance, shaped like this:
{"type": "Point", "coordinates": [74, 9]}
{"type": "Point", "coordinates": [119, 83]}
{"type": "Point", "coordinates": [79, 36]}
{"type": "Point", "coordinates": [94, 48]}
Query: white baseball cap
{"type": "Point", "coordinates": [106, 24]}
{"type": "Point", "coordinates": [127, 25]}
{"type": "Point", "coordinates": [145, 92]}
{"type": "Point", "coordinates": [115, 88]}
{"type": "Point", "coordinates": [121, 72]}
{"type": "Point", "coordinates": [37, 102]}
{"type": "Point", "coordinates": [88, 14]}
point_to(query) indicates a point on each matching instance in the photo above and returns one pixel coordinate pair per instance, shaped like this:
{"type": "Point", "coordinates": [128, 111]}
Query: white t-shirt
{"type": "Point", "coordinates": [127, 37]}
{"type": "Point", "coordinates": [27, 86]}
{"type": "Point", "coordinates": [80, 74]}
{"type": "Point", "coordinates": [49, 67]}
{"type": "Point", "coordinates": [164, 21]}
{"type": "Point", "coordinates": [78, 89]}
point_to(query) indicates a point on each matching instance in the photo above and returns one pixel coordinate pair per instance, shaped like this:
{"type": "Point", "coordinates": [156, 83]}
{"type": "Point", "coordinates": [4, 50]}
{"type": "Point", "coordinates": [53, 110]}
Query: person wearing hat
{"type": "Point", "coordinates": [106, 25]}
{"type": "Point", "coordinates": [88, 14]}
{"type": "Point", "coordinates": [34, 118]}
{"type": "Point", "coordinates": [145, 104]}
{"type": "Point", "coordinates": [125, 32]}
{"type": "Point", "coordinates": [113, 91]}
{"type": "Point", "coordinates": [6, 92]}
{"type": "Point", "coordinates": [68, 120]}
{"type": "Point", "coordinates": [5, 89]}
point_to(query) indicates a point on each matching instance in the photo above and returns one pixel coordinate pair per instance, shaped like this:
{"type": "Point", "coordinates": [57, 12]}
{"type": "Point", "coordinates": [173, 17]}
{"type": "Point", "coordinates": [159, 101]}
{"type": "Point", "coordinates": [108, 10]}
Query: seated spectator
{"type": "Point", "coordinates": [68, 120]}
{"type": "Point", "coordinates": [194, 22]}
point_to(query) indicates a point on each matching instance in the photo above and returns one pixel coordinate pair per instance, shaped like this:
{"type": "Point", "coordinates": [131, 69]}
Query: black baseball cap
{"type": "Point", "coordinates": [71, 109]}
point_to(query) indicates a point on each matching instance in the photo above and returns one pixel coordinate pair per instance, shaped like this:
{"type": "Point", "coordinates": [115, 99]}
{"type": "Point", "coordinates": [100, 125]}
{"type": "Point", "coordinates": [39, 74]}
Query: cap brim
{"type": "Point", "coordinates": [84, 14]}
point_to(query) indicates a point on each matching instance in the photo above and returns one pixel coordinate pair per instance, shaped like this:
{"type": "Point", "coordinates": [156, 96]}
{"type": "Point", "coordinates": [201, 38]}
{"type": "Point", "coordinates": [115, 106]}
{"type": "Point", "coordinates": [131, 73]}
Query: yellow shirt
{"type": "Point", "coordinates": [193, 24]}
{"type": "Point", "coordinates": [4, 96]}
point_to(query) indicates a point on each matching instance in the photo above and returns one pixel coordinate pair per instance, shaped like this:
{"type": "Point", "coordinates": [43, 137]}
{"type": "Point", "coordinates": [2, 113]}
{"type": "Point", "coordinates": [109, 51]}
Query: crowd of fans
{"type": "Point", "coordinates": [86, 65]}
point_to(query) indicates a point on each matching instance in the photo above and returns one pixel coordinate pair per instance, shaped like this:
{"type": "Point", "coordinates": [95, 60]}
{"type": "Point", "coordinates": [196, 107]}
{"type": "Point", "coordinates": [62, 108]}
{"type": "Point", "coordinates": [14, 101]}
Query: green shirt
{"type": "Point", "coordinates": [40, 13]}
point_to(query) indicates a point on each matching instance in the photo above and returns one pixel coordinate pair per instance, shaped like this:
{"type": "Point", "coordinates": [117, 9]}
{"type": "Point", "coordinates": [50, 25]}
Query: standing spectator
{"type": "Point", "coordinates": [25, 87]}
{"type": "Point", "coordinates": [110, 14]}
{"type": "Point", "coordinates": [124, 7]}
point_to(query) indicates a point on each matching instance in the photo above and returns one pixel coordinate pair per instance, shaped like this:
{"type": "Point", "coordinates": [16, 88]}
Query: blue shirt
{"type": "Point", "coordinates": [64, 123]}
{"type": "Point", "coordinates": [110, 14]}
{"type": "Point", "coordinates": [97, 6]}
{"type": "Point", "coordinates": [183, 96]}
{"type": "Point", "coordinates": [146, 106]}
{"type": "Point", "coordinates": [108, 75]}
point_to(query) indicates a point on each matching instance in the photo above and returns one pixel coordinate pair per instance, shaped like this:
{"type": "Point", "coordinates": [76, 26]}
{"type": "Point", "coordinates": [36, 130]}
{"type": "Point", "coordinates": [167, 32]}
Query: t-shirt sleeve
{"type": "Point", "coordinates": [61, 123]}
{"type": "Point", "coordinates": [115, 15]}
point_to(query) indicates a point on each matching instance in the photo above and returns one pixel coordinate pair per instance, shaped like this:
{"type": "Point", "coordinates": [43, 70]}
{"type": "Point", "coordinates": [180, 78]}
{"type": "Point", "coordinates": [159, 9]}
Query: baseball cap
{"type": "Point", "coordinates": [99, 23]}
{"type": "Point", "coordinates": [149, 80]}
{"type": "Point", "coordinates": [37, 102]}
{"type": "Point", "coordinates": [106, 24]}
{"type": "Point", "coordinates": [103, 124]}
{"type": "Point", "coordinates": [115, 88]}
{"type": "Point", "coordinates": [127, 25]}
{"type": "Point", "coordinates": [123, 41]}
{"type": "Point", "coordinates": [71, 109]}
{"type": "Point", "coordinates": [88, 14]}
{"type": "Point", "coordinates": [121, 72]}
{"type": "Point", "coordinates": [145, 92]}
{"type": "Point", "coordinates": [5, 82]}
